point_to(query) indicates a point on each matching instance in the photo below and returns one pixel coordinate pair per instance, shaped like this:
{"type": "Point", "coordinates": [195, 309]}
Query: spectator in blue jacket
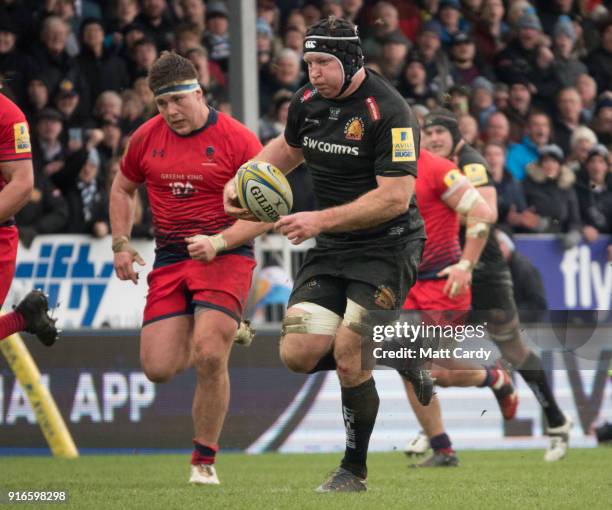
{"type": "Point", "coordinates": [537, 135]}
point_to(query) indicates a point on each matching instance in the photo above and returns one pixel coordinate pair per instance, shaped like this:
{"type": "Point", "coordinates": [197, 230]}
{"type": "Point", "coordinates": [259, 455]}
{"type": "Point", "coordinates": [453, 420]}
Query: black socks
{"type": "Point", "coordinates": [359, 410]}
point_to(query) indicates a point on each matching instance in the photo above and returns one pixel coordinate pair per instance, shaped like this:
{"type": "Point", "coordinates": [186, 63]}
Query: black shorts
{"type": "Point", "coordinates": [493, 301]}
{"type": "Point", "coordinates": [377, 279]}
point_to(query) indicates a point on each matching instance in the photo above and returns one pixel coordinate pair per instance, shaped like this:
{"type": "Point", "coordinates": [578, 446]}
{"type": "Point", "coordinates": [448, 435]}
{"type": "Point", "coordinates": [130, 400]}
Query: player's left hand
{"type": "Point", "coordinates": [200, 248]}
{"type": "Point", "coordinates": [458, 279]}
{"type": "Point", "coordinates": [299, 226]}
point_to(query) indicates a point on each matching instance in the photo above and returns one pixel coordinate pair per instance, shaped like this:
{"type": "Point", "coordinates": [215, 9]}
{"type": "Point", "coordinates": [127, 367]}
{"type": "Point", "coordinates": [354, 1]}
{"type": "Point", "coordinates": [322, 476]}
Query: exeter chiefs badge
{"type": "Point", "coordinates": [353, 130]}
{"type": "Point", "coordinates": [385, 297]}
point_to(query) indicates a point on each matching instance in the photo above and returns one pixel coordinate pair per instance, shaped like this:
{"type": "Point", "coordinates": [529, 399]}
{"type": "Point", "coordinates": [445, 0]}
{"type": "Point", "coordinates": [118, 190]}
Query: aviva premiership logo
{"type": "Point", "coordinates": [402, 145]}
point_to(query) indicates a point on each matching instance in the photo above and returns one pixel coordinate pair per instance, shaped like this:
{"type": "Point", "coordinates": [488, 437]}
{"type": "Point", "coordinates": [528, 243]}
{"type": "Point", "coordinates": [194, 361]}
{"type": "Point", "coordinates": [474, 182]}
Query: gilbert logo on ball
{"type": "Point", "coordinates": [263, 189]}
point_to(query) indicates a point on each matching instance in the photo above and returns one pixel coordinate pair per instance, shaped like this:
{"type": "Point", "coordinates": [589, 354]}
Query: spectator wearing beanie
{"type": "Point", "coordinates": [520, 54]}
{"type": "Point", "coordinates": [482, 100]}
{"type": "Point", "coordinates": [413, 84]}
{"type": "Point", "coordinates": [450, 20]}
{"type": "Point", "coordinates": [464, 69]}
{"type": "Point", "coordinates": [393, 57]}
{"type": "Point", "coordinates": [216, 36]}
{"type": "Point", "coordinates": [549, 191]}
{"type": "Point", "coordinates": [436, 61]}
{"type": "Point", "coordinates": [566, 64]}
{"type": "Point", "coordinates": [519, 105]}
{"type": "Point", "coordinates": [86, 197]}
{"type": "Point", "coordinates": [594, 191]}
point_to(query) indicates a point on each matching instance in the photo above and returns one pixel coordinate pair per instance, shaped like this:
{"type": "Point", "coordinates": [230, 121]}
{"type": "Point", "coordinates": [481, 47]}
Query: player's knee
{"type": "Point", "coordinates": [157, 372]}
{"type": "Point", "coordinates": [294, 357]}
{"type": "Point", "coordinates": [209, 361]}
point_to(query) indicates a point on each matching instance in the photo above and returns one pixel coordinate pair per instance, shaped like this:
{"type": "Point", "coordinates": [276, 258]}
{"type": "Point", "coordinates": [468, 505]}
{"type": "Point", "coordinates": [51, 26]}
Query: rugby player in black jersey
{"type": "Point", "coordinates": [492, 295]}
{"type": "Point", "coordinates": [360, 142]}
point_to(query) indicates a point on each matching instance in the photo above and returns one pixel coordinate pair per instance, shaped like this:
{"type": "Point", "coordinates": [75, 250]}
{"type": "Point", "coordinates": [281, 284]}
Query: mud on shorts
{"type": "Point", "coordinates": [176, 289]}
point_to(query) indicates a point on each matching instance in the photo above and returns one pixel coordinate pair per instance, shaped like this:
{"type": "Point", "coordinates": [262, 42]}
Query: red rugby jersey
{"type": "Point", "coordinates": [185, 175]}
{"type": "Point", "coordinates": [14, 136]}
{"type": "Point", "coordinates": [437, 177]}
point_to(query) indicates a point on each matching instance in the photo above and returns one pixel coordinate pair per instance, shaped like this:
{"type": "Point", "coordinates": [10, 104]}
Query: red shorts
{"type": "Point", "coordinates": [428, 295]}
{"type": "Point", "coordinates": [222, 284]}
{"type": "Point", "coordinates": [9, 239]}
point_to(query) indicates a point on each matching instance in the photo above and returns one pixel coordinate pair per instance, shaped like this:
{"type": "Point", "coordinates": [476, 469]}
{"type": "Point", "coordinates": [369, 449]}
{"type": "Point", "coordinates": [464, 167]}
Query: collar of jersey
{"type": "Point", "coordinates": [213, 115]}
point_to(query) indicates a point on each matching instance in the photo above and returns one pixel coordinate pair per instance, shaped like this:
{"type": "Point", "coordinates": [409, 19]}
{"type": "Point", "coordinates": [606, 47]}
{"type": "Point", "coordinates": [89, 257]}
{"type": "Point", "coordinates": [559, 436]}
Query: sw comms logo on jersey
{"type": "Point", "coordinates": [329, 148]}
{"type": "Point", "coordinates": [402, 145]}
{"type": "Point", "coordinates": [354, 128]}
{"type": "Point", "coordinates": [22, 137]}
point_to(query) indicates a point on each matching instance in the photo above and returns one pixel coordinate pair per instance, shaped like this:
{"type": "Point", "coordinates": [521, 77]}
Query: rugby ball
{"type": "Point", "coordinates": [264, 190]}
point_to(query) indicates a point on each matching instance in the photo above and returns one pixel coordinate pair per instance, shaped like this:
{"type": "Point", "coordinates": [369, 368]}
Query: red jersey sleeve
{"type": "Point", "coordinates": [131, 165]}
{"type": "Point", "coordinates": [14, 132]}
{"type": "Point", "coordinates": [249, 146]}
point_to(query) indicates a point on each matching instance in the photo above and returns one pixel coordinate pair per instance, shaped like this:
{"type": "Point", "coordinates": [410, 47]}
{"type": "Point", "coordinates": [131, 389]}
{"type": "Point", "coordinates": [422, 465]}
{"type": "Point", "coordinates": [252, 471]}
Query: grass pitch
{"type": "Point", "coordinates": [491, 479]}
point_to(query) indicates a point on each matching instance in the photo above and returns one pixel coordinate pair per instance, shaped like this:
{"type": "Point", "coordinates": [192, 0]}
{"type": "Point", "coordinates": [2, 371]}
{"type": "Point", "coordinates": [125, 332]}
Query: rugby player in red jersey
{"type": "Point", "coordinates": [16, 183]}
{"type": "Point", "coordinates": [203, 259]}
{"type": "Point", "coordinates": [443, 284]}
{"type": "Point", "coordinates": [493, 301]}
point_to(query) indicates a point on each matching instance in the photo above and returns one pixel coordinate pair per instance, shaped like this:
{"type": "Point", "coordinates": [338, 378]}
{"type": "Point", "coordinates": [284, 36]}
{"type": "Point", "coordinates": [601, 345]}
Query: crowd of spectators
{"type": "Point", "coordinates": [531, 84]}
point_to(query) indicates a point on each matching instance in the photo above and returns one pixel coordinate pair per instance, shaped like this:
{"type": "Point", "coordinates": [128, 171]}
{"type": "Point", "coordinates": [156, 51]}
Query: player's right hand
{"type": "Point", "coordinates": [231, 204]}
{"type": "Point", "coordinates": [124, 263]}
{"type": "Point", "coordinates": [458, 279]}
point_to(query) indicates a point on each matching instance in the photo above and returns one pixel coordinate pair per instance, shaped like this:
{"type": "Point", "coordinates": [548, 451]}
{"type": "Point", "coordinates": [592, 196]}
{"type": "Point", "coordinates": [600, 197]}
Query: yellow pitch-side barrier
{"type": "Point", "coordinates": [47, 414]}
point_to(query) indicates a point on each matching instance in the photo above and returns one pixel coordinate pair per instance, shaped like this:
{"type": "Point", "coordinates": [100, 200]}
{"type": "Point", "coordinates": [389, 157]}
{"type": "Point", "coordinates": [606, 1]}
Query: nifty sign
{"type": "Point", "coordinates": [576, 279]}
{"type": "Point", "coordinates": [77, 273]}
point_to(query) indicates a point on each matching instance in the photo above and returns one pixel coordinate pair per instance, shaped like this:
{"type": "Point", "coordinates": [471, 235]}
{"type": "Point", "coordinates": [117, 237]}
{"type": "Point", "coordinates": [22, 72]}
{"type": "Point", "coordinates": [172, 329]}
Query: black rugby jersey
{"type": "Point", "coordinates": [347, 143]}
{"type": "Point", "coordinates": [476, 169]}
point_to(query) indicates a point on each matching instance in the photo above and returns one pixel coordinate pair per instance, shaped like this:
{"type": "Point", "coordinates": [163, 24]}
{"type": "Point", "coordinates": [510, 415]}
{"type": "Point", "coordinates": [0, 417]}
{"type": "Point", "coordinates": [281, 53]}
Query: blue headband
{"type": "Point", "coordinates": [178, 87]}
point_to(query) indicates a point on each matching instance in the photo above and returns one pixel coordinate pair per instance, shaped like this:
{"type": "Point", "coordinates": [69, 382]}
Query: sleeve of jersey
{"type": "Point", "coordinates": [250, 147]}
{"type": "Point", "coordinates": [292, 128]}
{"type": "Point", "coordinates": [15, 140]}
{"type": "Point", "coordinates": [131, 164]}
{"type": "Point", "coordinates": [477, 173]}
{"type": "Point", "coordinates": [396, 145]}
{"type": "Point", "coordinates": [447, 179]}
